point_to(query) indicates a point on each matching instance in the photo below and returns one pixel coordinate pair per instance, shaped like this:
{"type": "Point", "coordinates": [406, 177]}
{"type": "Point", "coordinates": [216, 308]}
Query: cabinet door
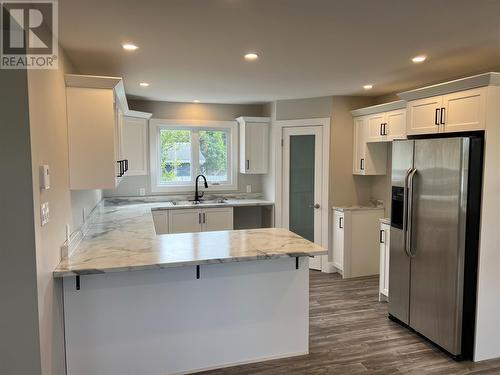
{"type": "Point", "coordinates": [134, 145]}
{"type": "Point", "coordinates": [338, 240]}
{"type": "Point", "coordinates": [256, 148]}
{"type": "Point", "coordinates": [464, 110]}
{"type": "Point", "coordinates": [384, 260]}
{"type": "Point", "coordinates": [217, 219]}
{"type": "Point", "coordinates": [381, 277]}
{"type": "Point", "coordinates": [423, 116]}
{"type": "Point", "coordinates": [396, 124]}
{"type": "Point", "coordinates": [387, 242]}
{"type": "Point", "coordinates": [160, 220]}
{"type": "Point", "coordinates": [377, 127]}
{"type": "Point", "coordinates": [185, 221]}
{"type": "Point", "coordinates": [359, 145]}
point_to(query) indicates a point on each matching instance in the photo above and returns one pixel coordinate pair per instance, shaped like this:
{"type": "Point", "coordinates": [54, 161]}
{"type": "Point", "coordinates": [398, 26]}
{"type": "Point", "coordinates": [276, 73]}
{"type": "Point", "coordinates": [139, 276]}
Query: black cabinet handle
{"type": "Point", "coordinates": [385, 128]}
{"type": "Point", "coordinates": [381, 238]}
{"type": "Point", "coordinates": [441, 117]}
{"type": "Point", "coordinates": [204, 218]}
{"type": "Point", "coordinates": [126, 165]}
{"type": "Point", "coordinates": [341, 226]}
{"type": "Point", "coordinates": [381, 131]}
{"type": "Point", "coordinates": [362, 164]}
{"type": "Point", "coordinates": [248, 165]}
{"type": "Point", "coordinates": [199, 218]}
{"type": "Point", "coordinates": [120, 166]}
{"type": "Point", "coordinates": [436, 117]}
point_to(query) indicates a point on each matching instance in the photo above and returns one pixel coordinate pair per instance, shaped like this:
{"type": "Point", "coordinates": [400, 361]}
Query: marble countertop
{"type": "Point", "coordinates": [356, 208]}
{"type": "Point", "coordinates": [121, 237]}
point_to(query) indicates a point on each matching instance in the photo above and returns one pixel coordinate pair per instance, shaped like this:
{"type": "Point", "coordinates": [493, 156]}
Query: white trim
{"type": "Point", "coordinates": [239, 363]}
{"type": "Point", "coordinates": [379, 108]}
{"type": "Point", "coordinates": [102, 82]}
{"type": "Point", "coordinates": [243, 119]}
{"type": "Point", "coordinates": [480, 80]}
{"type": "Point", "coordinates": [156, 124]}
{"type": "Point", "coordinates": [278, 126]}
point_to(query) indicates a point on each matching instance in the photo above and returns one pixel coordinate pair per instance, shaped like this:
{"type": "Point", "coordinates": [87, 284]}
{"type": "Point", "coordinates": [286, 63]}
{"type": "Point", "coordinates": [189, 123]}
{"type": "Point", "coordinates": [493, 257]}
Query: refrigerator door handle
{"type": "Point", "coordinates": [405, 210]}
{"type": "Point", "coordinates": [409, 224]}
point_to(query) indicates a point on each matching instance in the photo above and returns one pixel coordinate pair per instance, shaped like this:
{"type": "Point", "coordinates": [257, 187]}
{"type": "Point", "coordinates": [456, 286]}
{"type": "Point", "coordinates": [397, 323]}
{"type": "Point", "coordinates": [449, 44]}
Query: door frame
{"type": "Point", "coordinates": [277, 148]}
{"type": "Point", "coordinates": [317, 132]}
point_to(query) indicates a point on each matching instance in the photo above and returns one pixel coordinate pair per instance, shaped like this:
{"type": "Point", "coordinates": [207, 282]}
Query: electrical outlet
{"type": "Point", "coordinates": [249, 188]}
{"type": "Point", "coordinates": [44, 213]}
{"type": "Point", "coordinates": [142, 191]}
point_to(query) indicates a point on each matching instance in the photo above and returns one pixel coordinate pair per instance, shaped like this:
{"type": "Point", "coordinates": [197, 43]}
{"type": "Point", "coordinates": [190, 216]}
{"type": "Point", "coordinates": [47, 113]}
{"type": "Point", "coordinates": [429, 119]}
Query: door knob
{"type": "Point", "coordinates": [314, 206]}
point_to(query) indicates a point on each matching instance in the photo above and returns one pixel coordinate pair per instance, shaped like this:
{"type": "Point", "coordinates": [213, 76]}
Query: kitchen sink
{"type": "Point", "coordinates": [200, 203]}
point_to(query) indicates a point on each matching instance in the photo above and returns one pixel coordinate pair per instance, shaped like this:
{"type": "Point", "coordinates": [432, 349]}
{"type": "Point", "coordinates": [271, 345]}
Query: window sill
{"type": "Point", "coordinates": [191, 188]}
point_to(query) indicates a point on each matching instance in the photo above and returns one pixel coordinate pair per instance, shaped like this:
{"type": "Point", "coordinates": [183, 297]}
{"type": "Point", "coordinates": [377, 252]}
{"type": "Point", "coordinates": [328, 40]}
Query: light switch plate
{"type": "Point", "coordinates": [142, 191]}
{"type": "Point", "coordinates": [249, 188]}
{"type": "Point", "coordinates": [44, 213]}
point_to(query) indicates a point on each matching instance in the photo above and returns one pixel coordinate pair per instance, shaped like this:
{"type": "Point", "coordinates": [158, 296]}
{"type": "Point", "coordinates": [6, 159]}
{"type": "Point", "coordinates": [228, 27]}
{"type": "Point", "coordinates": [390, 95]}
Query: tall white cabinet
{"type": "Point", "coordinates": [254, 144]}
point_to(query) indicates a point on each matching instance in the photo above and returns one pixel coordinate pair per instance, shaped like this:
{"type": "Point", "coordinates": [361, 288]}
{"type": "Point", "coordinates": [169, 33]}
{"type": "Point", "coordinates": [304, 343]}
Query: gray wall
{"type": "Point", "coordinates": [189, 111]}
{"type": "Point", "coordinates": [19, 329]}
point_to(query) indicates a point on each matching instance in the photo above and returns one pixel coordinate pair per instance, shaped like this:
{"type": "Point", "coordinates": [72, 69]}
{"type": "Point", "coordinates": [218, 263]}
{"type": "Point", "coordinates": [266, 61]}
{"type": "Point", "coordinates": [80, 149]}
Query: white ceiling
{"type": "Point", "coordinates": [193, 49]}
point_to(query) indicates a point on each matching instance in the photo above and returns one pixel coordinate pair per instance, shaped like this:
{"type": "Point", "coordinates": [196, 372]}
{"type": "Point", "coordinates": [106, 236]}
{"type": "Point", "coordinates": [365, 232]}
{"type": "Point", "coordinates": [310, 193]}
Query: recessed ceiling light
{"type": "Point", "coordinates": [368, 87]}
{"type": "Point", "coordinates": [196, 101]}
{"type": "Point", "coordinates": [419, 59]}
{"type": "Point", "coordinates": [251, 56]}
{"type": "Point", "coordinates": [129, 46]}
{"type": "Point", "coordinates": [144, 84]}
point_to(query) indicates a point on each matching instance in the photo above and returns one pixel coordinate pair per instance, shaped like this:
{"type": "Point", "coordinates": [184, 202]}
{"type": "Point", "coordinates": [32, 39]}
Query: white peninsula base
{"type": "Point", "coordinates": [166, 321]}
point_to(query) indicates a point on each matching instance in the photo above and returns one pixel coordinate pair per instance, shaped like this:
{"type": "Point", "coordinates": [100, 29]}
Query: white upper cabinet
{"type": "Point", "coordinates": [134, 142]}
{"type": "Point", "coordinates": [95, 108]}
{"type": "Point", "coordinates": [423, 116]}
{"type": "Point", "coordinates": [373, 127]}
{"type": "Point", "coordinates": [254, 144]}
{"type": "Point", "coordinates": [359, 145]}
{"type": "Point", "coordinates": [368, 158]}
{"type": "Point", "coordinates": [377, 127]}
{"type": "Point", "coordinates": [464, 111]}
{"type": "Point", "coordinates": [457, 112]}
{"type": "Point", "coordinates": [396, 124]}
{"type": "Point", "coordinates": [455, 106]}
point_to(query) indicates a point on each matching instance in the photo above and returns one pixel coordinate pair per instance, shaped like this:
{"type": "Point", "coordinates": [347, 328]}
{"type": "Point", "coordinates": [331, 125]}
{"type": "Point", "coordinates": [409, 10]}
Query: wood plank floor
{"type": "Point", "coordinates": [351, 334]}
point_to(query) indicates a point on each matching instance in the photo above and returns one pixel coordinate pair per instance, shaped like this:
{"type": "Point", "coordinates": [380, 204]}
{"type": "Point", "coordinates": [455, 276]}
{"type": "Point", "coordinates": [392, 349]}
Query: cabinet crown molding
{"type": "Point", "coordinates": [480, 80]}
{"type": "Point", "coordinates": [102, 82]}
{"type": "Point", "coordinates": [243, 119]}
{"type": "Point", "coordinates": [385, 107]}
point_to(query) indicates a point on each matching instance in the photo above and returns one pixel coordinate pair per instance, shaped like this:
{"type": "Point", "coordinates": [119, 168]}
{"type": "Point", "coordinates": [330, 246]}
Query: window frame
{"type": "Point", "coordinates": [155, 125]}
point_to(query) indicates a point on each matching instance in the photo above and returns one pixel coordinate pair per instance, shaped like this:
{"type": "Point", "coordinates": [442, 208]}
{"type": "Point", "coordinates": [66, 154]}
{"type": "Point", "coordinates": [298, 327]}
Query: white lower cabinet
{"type": "Point", "coordinates": [384, 241]}
{"type": "Point", "coordinates": [355, 236]}
{"type": "Point", "coordinates": [217, 219]}
{"type": "Point", "coordinates": [338, 240]}
{"type": "Point", "coordinates": [185, 221]}
{"type": "Point", "coordinates": [191, 220]}
{"type": "Point", "coordinates": [160, 220]}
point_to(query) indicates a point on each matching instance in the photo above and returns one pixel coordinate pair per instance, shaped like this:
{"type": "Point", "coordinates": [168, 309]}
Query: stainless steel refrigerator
{"type": "Point", "coordinates": [436, 195]}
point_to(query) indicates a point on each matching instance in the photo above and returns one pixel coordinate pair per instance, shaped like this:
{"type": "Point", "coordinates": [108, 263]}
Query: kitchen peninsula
{"type": "Point", "coordinates": [245, 290]}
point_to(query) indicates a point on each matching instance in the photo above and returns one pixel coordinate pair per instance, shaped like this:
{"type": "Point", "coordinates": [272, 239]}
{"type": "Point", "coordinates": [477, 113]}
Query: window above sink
{"type": "Point", "coordinates": [180, 150]}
